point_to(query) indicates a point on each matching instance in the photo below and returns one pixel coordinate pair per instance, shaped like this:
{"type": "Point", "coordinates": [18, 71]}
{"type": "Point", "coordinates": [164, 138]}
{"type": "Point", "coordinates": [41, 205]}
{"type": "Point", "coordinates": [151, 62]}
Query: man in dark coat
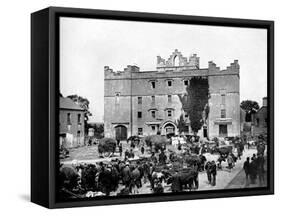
{"type": "Point", "coordinates": [260, 168]}
{"type": "Point", "coordinates": [208, 168]}
{"type": "Point", "coordinates": [202, 162]}
{"type": "Point", "coordinates": [105, 180]}
{"type": "Point", "coordinates": [253, 170]}
{"type": "Point", "coordinates": [120, 149]}
{"type": "Point", "coordinates": [162, 158]}
{"type": "Point", "coordinates": [213, 173]}
{"type": "Point", "coordinates": [246, 168]}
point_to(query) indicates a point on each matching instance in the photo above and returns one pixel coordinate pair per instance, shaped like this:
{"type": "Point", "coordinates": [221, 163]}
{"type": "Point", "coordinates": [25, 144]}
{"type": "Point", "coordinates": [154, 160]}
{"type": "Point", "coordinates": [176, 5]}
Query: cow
{"type": "Point", "coordinates": [185, 178]}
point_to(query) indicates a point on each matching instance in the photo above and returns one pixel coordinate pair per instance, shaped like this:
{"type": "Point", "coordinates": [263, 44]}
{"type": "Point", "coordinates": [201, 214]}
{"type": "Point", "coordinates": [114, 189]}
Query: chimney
{"type": "Point", "coordinates": [264, 101]}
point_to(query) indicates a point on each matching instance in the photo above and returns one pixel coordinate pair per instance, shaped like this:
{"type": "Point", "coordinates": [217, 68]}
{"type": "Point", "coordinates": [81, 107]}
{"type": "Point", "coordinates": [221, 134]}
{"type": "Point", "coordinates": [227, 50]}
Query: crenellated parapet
{"type": "Point", "coordinates": [233, 68]}
{"type": "Point", "coordinates": [110, 73]}
{"type": "Point", "coordinates": [177, 62]}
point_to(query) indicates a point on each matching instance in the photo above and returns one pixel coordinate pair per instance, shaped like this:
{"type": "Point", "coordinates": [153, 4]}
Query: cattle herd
{"type": "Point", "coordinates": [160, 172]}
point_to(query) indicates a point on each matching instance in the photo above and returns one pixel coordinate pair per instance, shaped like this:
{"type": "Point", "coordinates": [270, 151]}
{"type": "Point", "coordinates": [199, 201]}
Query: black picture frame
{"type": "Point", "coordinates": [45, 100]}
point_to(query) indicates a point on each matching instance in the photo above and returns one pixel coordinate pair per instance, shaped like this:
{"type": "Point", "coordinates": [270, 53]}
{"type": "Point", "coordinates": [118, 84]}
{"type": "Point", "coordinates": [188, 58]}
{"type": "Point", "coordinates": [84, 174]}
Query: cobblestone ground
{"type": "Point", "coordinates": [225, 178]}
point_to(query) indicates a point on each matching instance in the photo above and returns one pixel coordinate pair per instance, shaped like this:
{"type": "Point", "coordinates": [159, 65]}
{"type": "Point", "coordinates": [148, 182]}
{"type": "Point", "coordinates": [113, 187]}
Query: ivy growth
{"type": "Point", "coordinates": [195, 103]}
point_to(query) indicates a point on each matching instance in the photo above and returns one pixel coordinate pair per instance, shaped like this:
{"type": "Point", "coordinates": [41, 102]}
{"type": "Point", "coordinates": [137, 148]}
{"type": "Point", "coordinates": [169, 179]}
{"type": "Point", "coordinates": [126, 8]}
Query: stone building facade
{"type": "Point", "coordinates": [71, 122]}
{"type": "Point", "coordinates": [260, 119]}
{"type": "Point", "coordinates": [146, 102]}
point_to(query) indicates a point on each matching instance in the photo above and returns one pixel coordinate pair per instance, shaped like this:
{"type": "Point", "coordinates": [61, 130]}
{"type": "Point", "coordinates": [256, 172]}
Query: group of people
{"type": "Point", "coordinates": [255, 169]}
{"type": "Point", "coordinates": [126, 176]}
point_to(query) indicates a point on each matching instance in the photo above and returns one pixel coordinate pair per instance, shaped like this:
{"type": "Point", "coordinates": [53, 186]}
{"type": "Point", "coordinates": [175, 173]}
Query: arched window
{"type": "Point", "coordinates": [176, 61]}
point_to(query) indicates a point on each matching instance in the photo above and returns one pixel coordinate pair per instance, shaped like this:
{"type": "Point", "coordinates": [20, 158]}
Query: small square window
{"type": "Point", "coordinates": [169, 113]}
{"type": "Point", "coordinates": [186, 82]}
{"type": "Point", "coordinates": [139, 114]}
{"type": "Point", "coordinates": [153, 127]}
{"type": "Point", "coordinates": [223, 113]}
{"type": "Point", "coordinates": [139, 100]}
{"type": "Point", "coordinates": [170, 98]}
{"type": "Point", "coordinates": [153, 100]}
{"type": "Point", "coordinates": [140, 131]}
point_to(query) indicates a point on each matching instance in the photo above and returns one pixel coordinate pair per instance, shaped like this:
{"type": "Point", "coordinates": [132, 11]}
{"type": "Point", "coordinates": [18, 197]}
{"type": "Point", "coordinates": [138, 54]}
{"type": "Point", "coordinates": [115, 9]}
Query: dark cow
{"type": "Point", "coordinates": [182, 179]}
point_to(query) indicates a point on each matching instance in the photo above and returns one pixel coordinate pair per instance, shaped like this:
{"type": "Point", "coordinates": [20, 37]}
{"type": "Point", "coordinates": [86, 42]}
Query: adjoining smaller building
{"type": "Point", "coordinates": [260, 119]}
{"type": "Point", "coordinates": [71, 121]}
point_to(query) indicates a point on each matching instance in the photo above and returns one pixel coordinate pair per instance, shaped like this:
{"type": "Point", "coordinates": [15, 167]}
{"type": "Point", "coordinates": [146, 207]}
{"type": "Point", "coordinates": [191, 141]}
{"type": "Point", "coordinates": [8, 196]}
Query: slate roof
{"type": "Point", "coordinates": [67, 103]}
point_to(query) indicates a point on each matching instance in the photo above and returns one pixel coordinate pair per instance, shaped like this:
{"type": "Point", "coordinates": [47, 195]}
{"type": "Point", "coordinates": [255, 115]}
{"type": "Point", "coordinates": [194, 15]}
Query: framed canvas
{"type": "Point", "coordinates": [134, 107]}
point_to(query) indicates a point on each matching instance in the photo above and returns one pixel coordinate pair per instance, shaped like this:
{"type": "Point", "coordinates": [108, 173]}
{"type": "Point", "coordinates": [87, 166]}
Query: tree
{"type": "Point", "coordinates": [83, 103]}
{"type": "Point", "coordinates": [250, 107]}
{"type": "Point", "coordinates": [181, 124]}
{"type": "Point", "coordinates": [195, 102]}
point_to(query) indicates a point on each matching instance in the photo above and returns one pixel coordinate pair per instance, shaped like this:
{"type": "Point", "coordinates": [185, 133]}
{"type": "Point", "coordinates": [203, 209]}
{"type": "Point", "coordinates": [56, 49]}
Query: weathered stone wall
{"type": "Point", "coordinates": [73, 128]}
{"type": "Point", "coordinates": [226, 83]}
{"type": "Point", "coordinates": [133, 83]}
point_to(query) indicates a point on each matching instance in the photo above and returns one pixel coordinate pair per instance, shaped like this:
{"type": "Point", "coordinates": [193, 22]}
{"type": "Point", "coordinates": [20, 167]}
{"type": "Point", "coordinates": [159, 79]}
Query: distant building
{"type": "Point", "coordinates": [146, 102]}
{"type": "Point", "coordinates": [71, 123]}
{"type": "Point", "coordinates": [260, 119]}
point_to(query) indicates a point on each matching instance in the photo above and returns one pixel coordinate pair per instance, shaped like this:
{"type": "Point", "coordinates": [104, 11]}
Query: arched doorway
{"type": "Point", "coordinates": [120, 132]}
{"type": "Point", "coordinates": [170, 129]}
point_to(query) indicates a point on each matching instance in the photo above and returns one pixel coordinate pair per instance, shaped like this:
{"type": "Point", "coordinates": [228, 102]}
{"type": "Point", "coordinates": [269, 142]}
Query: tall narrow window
{"type": "Point", "coordinates": [68, 118]}
{"type": "Point", "coordinates": [139, 100]}
{"type": "Point", "coordinates": [79, 137]}
{"type": "Point", "coordinates": [169, 83]}
{"type": "Point", "coordinates": [153, 127]}
{"type": "Point", "coordinates": [223, 99]}
{"type": "Point", "coordinates": [117, 98]}
{"type": "Point", "coordinates": [169, 98]}
{"type": "Point", "coordinates": [153, 100]}
{"type": "Point", "coordinates": [79, 118]}
{"type": "Point", "coordinates": [153, 84]}
{"type": "Point", "coordinates": [139, 114]}
{"type": "Point", "coordinates": [153, 113]}
{"type": "Point", "coordinates": [258, 122]}
{"type": "Point", "coordinates": [223, 113]}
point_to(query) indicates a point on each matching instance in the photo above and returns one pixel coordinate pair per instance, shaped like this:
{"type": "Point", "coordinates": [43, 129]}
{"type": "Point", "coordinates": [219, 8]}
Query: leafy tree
{"type": "Point", "coordinates": [195, 102]}
{"type": "Point", "coordinates": [99, 130]}
{"type": "Point", "coordinates": [250, 107]}
{"type": "Point", "coordinates": [83, 103]}
{"type": "Point", "coordinates": [181, 124]}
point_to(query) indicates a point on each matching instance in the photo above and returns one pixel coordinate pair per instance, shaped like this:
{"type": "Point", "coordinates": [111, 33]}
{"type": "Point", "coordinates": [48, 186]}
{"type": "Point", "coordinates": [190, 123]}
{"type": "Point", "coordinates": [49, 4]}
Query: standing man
{"type": "Point", "coordinates": [253, 169]}
{"type": "Point", "coordinates": [162, 158]}
{"type": "Point", "coordinates": [120, 148]}
{"type": "Point", "coordinates": [260, 168]}
{"type": "Point", "coordinates": [246, 168]}
{"type": "Point", "coordinates": [213, 173]}
{"type": "Point", "coordinates": [208, 168]}
{"type": "Point", "coordinates": [230, 162]}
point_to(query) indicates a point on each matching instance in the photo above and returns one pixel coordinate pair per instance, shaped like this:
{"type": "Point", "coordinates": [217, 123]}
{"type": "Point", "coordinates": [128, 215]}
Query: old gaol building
{"type": "Point", "coordinates": [145, 102]}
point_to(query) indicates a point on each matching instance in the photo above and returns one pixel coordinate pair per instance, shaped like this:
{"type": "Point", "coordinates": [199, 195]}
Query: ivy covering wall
{"type": "Point", "coordinates": [195, 104]}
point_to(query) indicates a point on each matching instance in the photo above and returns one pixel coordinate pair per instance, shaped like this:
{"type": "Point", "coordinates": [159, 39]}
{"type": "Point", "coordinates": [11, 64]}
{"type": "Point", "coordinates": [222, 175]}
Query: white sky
{"type": "Point", "coordinates": [87, 45]}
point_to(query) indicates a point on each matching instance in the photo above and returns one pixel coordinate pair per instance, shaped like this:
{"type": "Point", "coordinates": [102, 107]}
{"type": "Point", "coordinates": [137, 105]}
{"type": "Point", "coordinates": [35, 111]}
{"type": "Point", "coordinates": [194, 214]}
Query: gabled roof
{"type": "Point", "coordinates": [67, 103]}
